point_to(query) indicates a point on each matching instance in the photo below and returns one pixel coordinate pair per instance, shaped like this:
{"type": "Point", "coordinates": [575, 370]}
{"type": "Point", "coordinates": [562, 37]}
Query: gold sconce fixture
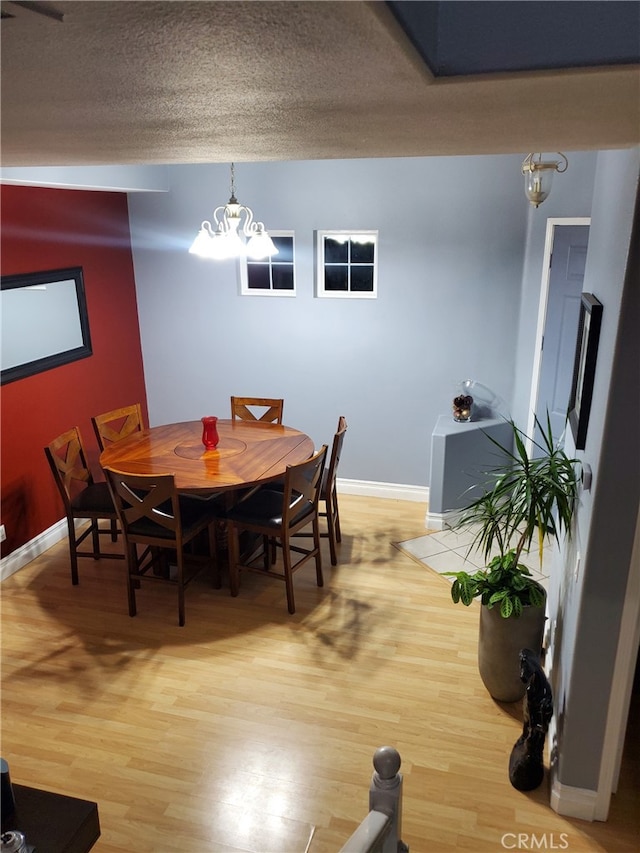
{"type": "Point", "coordinates": [538, 176]}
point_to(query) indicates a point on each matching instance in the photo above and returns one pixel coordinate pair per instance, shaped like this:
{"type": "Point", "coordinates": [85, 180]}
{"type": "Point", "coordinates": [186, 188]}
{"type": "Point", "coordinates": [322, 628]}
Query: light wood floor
{"type": "Point", "coordinates": [248, 727]}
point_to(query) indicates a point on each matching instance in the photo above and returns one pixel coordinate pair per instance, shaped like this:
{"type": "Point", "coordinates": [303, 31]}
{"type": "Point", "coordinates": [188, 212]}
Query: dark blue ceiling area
{"type": "Point", "coordinates": [462, 37]}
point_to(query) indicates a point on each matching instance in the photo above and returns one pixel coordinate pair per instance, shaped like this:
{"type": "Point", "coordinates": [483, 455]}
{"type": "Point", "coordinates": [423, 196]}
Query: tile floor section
{"type": "Point", "coordinates": [448, 551]}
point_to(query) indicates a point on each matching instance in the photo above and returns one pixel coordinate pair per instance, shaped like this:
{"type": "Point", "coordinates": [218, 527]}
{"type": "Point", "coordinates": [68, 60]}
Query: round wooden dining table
{"type": "Point", "coordinates": [248, 453]}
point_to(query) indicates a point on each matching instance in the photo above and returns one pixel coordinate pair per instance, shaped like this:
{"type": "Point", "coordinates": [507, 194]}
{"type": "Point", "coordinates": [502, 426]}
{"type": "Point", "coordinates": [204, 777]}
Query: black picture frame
{"type": "Point", "coordinates": [65, 305]}
{"type": "Point", "coordinates": [584, 367]}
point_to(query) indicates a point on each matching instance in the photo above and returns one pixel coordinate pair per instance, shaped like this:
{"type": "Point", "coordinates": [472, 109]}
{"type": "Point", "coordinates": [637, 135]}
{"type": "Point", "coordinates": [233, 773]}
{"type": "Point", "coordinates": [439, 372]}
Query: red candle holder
{"type": "Point", "coordinates": [210, 436]}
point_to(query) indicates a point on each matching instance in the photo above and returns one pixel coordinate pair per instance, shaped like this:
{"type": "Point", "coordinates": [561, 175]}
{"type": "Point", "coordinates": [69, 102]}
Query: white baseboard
{"type": "Point", "coordinates": [441, 520]}
{"type": "Point", "coordinates": [573, 802]}
{"type": "Point", "coordinates": [30, 550]}
{"type": "Point", "coordinates": [395, 491]}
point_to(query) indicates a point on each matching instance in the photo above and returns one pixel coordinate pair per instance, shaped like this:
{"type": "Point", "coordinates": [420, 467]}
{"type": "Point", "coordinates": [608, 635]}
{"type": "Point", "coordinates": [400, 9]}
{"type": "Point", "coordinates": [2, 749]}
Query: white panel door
{"type": "Point", "coordinates": [561, 323]}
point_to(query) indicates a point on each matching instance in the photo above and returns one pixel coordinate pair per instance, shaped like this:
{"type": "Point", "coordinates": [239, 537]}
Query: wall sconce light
{"type": "Point", "coordinates": [538, 176]}
{"type": "Point", "coordinates": [224, 241]}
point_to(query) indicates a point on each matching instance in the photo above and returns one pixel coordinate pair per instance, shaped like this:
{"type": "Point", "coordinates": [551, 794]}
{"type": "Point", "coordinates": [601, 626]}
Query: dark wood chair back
{"type": "Point", "coordinates": [241, 409]}
{"type": "Point", "coordinates": [153, 515]}
{"type": "Point", "coordinates": [82, 497]}
{"type": "Point", "coordinates": [117, 424]}
{"type": "Point", "coordinates": [277, 515]}
{"type": "Point", "coordinates": [329, 493]}
{"type": "Point", "coordinates": [68, 461]}
{"type": "Point", "coordinates": [148, 507]}
{"type": "Point", "coordinates": [302, 484]}
{"type": "Point", "coordinates": [329, 481]}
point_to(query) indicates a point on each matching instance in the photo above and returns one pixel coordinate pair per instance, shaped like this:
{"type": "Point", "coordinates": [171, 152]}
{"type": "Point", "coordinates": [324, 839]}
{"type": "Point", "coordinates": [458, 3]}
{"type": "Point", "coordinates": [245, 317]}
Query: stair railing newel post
{"type": "Point", "coordinates": [385, 795]}
{"type": "Point", "coordinates": [380, 830]}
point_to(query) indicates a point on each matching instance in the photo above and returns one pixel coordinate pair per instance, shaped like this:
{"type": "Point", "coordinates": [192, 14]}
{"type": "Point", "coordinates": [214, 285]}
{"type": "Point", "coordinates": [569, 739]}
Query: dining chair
{"type": "Point", "coordinates": [157, 523]}
{"type": "Point", "coordinates": [241, 409]}
{"type": "Point", "coordinates": [329, 493]}
{"type": "Point", "coordinates": [277, 515]}
{"type": "Point", "coordinates": [82, 498]}
{"type": "Point", "coordinates": [117, 424]}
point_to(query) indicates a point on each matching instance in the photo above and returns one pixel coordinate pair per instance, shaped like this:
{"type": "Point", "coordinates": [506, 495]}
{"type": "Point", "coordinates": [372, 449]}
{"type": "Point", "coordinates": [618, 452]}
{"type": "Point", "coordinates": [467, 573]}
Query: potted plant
{"type": "Point", "coordinates": [527, 498]}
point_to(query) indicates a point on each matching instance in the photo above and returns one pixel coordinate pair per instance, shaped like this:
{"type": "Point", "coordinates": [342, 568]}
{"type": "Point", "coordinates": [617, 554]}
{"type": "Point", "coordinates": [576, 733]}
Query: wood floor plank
{"type": "Point", "coordinates": [247, 728]}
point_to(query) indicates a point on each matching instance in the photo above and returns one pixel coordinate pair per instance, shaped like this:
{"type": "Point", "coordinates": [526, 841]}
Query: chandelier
{"type": "Point", "coordinates": [538, 175]}
{"type": "Point", "coordinates": [223, 239]}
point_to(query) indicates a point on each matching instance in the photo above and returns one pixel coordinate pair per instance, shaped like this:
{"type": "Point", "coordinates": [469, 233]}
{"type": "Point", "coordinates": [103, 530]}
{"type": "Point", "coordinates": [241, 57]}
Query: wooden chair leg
{"type": "Point", "coordinates": [214, 554]}
{"type": "Point", "coordinates": [73, 551]}
{"type": "Point", "coordinates": [316, 543]}
{"type": "Point", "coordinates": [337, 519]}
{"type": "Point", "coordinates": [114, 530]}
{"type": "Point", "coordinates": [131, 565]}
{"type": "Point", "coordinates": [180, 580]}
{"type": "Point", "coordinates": [332, 535]}
{"type": "Point", "coordinates": [234, 556]}
{"type": "Point", "coordinates": [95, 537]}
{"type": "Point", "coordinates": [288, 573]}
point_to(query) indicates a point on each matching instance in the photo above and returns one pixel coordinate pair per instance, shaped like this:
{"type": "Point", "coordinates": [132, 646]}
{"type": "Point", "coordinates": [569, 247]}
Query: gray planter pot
{"type": "Point", "coordinates": [499, 647]}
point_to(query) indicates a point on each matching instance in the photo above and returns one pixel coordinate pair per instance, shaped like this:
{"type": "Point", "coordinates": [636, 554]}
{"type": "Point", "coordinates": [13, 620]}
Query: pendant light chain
{"type": "Point", "coordinates": [233, 199]}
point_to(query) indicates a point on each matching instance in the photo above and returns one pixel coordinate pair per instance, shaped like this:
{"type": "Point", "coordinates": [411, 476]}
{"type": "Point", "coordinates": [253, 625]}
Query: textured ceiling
{"type": "Point", "coordinates": [186, 82]}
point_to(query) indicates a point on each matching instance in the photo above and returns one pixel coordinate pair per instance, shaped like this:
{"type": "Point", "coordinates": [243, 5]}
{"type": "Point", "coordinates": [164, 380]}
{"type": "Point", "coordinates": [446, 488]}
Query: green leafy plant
{"type": "Point", "coordinates": [504, 582]}
{"type": "Point", "coordinates": [530, 497]}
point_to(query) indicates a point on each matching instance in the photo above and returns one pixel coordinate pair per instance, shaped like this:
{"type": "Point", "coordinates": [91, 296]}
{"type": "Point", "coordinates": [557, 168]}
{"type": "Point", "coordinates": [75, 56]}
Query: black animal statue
{"type": "Point", "coordinates": [526, 767]}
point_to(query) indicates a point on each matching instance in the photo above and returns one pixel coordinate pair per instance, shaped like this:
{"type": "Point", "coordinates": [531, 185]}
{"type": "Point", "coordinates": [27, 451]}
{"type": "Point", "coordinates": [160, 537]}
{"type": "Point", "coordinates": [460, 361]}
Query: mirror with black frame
{"type": "Point", "coordinates": [44, 322]}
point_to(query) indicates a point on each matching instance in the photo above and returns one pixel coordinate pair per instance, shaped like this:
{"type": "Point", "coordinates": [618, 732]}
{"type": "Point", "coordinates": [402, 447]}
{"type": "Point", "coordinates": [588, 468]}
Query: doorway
{"type": "Point", "coordinates": [565, 254]}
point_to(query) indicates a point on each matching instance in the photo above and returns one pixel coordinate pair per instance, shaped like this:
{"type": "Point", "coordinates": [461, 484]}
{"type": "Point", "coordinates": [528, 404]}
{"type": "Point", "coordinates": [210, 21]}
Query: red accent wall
{"type": "Point", "coordinates": [46, 229]}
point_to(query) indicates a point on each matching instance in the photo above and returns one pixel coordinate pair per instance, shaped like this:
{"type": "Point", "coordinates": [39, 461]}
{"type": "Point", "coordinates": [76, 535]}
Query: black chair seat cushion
{"type": "Point", "coordinates": [264, 508]}
{"type": "Point", "coordinates": [193, 512]}
{"type": "Point", "coordinates": [278, 485]}
{"type": "Point", "coordinates": [94, 498]}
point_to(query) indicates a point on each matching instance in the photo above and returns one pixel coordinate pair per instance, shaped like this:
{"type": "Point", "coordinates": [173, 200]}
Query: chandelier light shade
{"type": "Point", "coordinates": [538, 176]}
{"type": "Point", "coordinates": [224, 239]}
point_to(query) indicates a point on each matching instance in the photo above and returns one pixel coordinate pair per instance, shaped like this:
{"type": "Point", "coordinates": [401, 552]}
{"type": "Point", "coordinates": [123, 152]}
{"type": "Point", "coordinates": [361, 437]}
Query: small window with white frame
{"type": "Point", "coordinates": [347, 264]}
{"type": "Point", "coordinates": [272, 276]}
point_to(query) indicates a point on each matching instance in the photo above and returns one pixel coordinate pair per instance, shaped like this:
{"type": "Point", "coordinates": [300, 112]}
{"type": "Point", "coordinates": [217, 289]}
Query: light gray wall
{"type": "Point", "coordinates": [590, 600]}
{"type": "Point", "coordinates": [586, 608]}
{"type": "Point", "coordinates": [570, 196]}
{"type": "Point", "coordinates": [451, 247]}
